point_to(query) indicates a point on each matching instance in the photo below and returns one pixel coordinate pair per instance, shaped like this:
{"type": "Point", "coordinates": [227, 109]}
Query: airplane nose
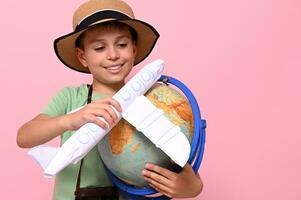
{"type": "Point", "coordinates": [157, 67]}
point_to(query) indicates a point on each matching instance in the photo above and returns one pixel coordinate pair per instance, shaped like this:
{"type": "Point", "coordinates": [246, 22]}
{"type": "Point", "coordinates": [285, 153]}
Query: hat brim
{"type": "Point", "coordinates": [147, 37]}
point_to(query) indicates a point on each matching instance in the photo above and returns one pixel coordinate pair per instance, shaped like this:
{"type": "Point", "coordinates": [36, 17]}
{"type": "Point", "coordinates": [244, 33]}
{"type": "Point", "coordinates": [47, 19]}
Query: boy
{"type": "Point", "coordinates": [107, 42]}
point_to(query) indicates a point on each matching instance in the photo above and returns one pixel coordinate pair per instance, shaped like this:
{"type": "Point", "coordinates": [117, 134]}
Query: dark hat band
{"type": "Point", "coordinates": [100, 15]}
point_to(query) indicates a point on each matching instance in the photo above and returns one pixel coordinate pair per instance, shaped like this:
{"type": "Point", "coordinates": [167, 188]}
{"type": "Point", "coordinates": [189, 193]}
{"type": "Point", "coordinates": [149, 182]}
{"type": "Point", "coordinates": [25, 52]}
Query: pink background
{"type": "Point", "coordinates": [241, 58]}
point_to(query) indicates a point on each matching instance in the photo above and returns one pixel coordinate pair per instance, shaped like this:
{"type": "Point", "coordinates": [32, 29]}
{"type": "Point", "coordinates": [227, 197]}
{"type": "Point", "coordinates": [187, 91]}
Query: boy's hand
{"type": "Point", "coordinates": [174, 185]}
{"type": "Point", "coordinates": [91, 112]}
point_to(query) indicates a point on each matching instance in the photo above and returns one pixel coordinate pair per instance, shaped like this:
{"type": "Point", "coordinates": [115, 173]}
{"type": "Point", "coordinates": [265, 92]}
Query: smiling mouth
{"type": "Point", "coordinates": [114, 68]}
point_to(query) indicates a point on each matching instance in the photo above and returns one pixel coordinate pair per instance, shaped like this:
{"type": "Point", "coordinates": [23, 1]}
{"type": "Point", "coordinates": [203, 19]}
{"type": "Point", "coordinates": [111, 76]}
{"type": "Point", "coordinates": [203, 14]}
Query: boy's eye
{"type": "Point", "coordinates": [122, 44]}
{"type": "Point", "coordinates": [99, 48]}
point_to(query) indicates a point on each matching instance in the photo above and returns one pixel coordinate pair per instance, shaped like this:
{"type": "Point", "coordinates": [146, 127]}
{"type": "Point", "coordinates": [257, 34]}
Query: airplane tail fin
{"type": "Point", "coordinates": [43, 155]}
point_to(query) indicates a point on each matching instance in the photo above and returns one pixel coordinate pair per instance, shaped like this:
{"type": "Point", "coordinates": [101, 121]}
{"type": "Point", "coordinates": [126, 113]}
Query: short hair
{"type": "Point", "coordinates": [79, 42]}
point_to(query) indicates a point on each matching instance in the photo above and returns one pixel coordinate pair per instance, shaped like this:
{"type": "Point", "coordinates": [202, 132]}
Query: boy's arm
{"type": "Point", "coordinates": [41, 129]}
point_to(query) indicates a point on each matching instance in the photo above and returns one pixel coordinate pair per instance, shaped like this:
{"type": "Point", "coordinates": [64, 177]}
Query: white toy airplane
{"type": "Point", "coordinates": [137, 110]}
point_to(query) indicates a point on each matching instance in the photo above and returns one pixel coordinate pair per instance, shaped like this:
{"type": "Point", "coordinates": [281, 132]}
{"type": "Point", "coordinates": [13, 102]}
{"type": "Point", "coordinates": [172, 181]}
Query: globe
{"type": "Point", "coordinates": [125, 151]}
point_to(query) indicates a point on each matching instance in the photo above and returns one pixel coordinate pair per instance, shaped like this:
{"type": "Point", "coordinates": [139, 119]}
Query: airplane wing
{"type": "Point", "coordinates": [153, 123]}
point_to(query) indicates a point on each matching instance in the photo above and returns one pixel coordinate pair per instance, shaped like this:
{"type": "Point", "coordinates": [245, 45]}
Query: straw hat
{"type": "Point", "coordinates": [98, 11]}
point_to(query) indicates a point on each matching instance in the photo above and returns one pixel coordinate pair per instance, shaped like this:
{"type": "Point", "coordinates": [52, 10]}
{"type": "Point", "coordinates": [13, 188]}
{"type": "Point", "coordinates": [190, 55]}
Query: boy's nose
{"type": "Point", "coordinates": [112, 54]}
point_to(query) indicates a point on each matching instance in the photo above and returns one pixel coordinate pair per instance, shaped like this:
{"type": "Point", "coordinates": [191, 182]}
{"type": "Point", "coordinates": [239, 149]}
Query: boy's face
{"type": "Point", "coordinates": [109, 53]}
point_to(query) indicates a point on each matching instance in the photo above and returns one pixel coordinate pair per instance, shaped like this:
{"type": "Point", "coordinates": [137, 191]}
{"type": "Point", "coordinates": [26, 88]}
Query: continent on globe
{"type": "Point", "coordinates": [125, 151]}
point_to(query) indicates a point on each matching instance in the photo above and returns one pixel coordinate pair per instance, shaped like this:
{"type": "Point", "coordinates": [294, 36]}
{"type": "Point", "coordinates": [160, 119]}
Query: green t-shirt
{"type": "Point", "coordinates": [93, 173]}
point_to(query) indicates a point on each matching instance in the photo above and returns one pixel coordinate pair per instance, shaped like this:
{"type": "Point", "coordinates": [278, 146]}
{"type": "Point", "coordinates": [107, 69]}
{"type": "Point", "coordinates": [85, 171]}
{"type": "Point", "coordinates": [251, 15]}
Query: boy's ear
{"type": "Point", "coordinates": [81, 56]}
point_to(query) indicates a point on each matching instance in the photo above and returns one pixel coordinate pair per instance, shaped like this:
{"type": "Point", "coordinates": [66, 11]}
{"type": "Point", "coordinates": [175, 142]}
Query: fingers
{"type": "Point", "coordinates": [163, 190]}
{"type": "Point", "coordinates": [173, 185]}
{"type": "Point", "coordinates": [160, 179]}
{"type": "Point", "coordinates": [107, 113]}
{"type": "Point", "coordinates": [100, 123]}
{"type": "Point", "coordinates": [104, 113]}
{"type": "Point", "coordinates": [152, 176]}
{"type": "Point", "coordinates": [112, 102]}
{"type": "Point", "coordinates": [160, 170]}
{"type": "Point", "coordinates": [106, 108]}
{"type": "Point", "coordinates": [158, 182]}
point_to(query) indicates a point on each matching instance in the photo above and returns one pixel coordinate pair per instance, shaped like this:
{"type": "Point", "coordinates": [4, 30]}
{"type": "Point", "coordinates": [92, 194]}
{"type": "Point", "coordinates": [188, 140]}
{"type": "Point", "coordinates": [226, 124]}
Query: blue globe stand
{"type": "Point", "coordinates": [195, 157]}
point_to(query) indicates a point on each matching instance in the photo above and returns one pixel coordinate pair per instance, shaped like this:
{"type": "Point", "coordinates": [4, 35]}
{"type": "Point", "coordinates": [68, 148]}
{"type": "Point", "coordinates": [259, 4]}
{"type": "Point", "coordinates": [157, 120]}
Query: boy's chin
{"type": "Point", "coordinates": [116, 80]}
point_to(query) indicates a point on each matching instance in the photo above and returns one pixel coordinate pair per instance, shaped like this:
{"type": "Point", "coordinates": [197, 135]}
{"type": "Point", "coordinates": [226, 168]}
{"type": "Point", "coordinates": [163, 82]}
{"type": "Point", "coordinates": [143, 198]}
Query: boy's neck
{"type": "Point", "coordinates": [109, 90]}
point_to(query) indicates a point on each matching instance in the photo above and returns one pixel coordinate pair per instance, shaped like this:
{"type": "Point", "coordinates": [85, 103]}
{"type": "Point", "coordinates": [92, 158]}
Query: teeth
{"type": "Point", "coordinates": [114, 67]}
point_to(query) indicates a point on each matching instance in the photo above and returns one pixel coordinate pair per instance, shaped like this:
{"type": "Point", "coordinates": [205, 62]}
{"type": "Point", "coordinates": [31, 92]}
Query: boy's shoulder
{"type": "Point", "coordinates": [74, 90]}
{"type": "Point", "coordinates": [67, 99]}
{"type": "Point", "coordinates": [76, 95]}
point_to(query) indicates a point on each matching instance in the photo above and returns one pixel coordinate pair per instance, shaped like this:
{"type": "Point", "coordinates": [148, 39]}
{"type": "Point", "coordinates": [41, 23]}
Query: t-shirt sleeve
{"type": "Point", "coordinates": [58, 104]}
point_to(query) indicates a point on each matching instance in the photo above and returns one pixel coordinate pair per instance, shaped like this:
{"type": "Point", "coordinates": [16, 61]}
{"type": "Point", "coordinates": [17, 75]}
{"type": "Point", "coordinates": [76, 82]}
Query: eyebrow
{"type": "Point", "coordinates": [102, 40]}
